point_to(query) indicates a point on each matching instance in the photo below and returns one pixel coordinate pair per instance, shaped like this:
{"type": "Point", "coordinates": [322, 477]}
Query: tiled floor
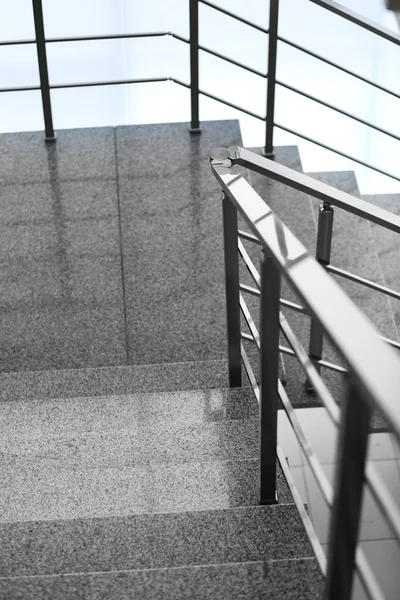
{"type": "Point", "coordinates": [376, 538]}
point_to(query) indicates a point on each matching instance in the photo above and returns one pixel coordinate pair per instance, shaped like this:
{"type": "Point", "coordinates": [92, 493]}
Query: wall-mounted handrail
{"type": "Point", "coordinates": [357, 19]}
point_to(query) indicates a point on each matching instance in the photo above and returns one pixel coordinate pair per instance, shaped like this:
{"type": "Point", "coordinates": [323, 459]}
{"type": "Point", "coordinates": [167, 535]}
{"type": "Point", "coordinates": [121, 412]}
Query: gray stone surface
{"type": "Point", "coordinates": [61, 291]}
{"type": "Point", "coordinates": [172, 241]}
{"type": "Point", "coordinates": [111, 244]}
{"type": "Point", "coordinates": [144, 541]}
{"type": "Point", "coordinates": [113, 380]}
{"type": "Point", "coordinates": [47, 492]}
{"type": "Point", "coordinates": [297, 579]}
{"type": "Point", "coordinates": [43, 417]}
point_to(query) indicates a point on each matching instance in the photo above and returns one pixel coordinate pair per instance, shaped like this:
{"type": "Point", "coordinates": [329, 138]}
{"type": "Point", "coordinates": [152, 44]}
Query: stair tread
{"type": "Point", "coordinates": [129, 412]}
{"type": "Point", "coordinates": [32, 493]}
{"type": "Point", "coordinates": [152, 541]}
{"type": "Point", "coordinates": [103, 381]}
{"type": "Point", "coordinates": [293, 579]}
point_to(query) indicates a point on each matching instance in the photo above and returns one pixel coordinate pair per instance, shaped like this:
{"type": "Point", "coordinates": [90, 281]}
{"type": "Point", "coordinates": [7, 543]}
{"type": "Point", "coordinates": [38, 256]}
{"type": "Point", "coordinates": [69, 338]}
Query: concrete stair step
{"type": "Point", "coordinates": [152, 541]}
{"type": "Point", "coordinates": [292, 579]}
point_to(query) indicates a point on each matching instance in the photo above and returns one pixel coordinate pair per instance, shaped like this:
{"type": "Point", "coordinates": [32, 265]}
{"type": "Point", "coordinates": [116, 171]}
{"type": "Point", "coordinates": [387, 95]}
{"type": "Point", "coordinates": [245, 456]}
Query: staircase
{"type": "Point", "coordinates": [128, 468]}
{"type": "Point", "coordinates": [144, 495]}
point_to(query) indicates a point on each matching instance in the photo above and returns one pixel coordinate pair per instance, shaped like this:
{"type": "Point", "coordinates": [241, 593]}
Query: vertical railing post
{"type": "Point", "coordinates": [348, 489]}
{"type": "Point", "coordinates": [271, 82]}
{"type": "Point", "coordinates": [323, 256]}
{"type": "Point", "coordinates": [194, 66]}
{"type": "Point", "coordinates": [269, 372]}
{"type": "Point", "coordinates": [232, 290]}
{"type": "Point", "coordinates": [43, 71]}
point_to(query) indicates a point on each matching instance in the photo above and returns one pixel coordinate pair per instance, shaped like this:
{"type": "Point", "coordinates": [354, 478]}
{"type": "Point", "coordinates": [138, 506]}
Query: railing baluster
{"type": "Point", "coordinates": [349, 480]}
{"type": "Point", "coordinates": [323, 256]}
{"type": "Point", "coordinates": [43, 71]}
{"type": "Point", "coordinates": [272, 52]}
{"type": "Point", "coordinates": [194, 65]}
{"type": "Point", "coordinates": [232, 290]}
{"type": "Point", "coordinates": [269, 369]}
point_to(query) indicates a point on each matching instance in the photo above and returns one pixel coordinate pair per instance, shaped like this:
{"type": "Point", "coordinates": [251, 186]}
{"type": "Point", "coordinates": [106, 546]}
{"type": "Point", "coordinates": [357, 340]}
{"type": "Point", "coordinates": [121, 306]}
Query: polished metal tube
{"type": "Point", "coordinates": [271, 85]}
{"type": "Point", "coordinates": [43, 70]}
{"type": "Point", "coordinates": [194, 65]}
{"type": "Point", "coordinates": [349, 482]}
{"type": "Point", "coordinates": [232, 291]}
{"type": "Point", "coordinates": [269, 370]}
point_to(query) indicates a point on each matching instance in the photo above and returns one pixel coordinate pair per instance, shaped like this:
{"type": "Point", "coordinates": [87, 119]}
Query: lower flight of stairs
{"type": "Point", "coordinates": [141, 482]}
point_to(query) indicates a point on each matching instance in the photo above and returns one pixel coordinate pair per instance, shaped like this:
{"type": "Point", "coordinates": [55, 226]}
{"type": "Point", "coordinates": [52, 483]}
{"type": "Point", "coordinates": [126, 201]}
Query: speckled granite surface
{"type": "Point", "coordinates": [144, 541]}
{"type": "Point", "coordinates": [113, 380]}
{"type": "Point", "coordinates": [102, 456]}
{"type": "Point", "coordinates": [111, 246]}
{"type": "Point", "coordinates": [296, 579]}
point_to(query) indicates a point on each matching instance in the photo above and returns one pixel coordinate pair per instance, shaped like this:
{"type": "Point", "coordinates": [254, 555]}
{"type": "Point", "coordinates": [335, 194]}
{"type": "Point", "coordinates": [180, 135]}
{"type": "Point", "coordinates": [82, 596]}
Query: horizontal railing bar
{"type": "Point", "coordinates": [383, 498]}
{"type": "Point", "coordinates": [243, 110]}
{"type": "Point", "coordinates": [336, 66]}
{"type": "Point", "coordinates": [235, 106]}
{"type": "Point", "coordinates": [357, 19]}
{"type": "Point", "coordinates": [390, 342]}
{"type": "Point", "coordinates": [313, 187]}
{"type": "Point", "coordinates": [249, 290]}
{"type": "Point", "coordinates": [250, 373]}
{"type": "Point", "coordinates": [338, 110]}
{"type": "Point", "coordinates": [249, 264]}
{"type": "Point", "coordinates": [241, 19]}
{"type": "Point", "coordinates": [20, 89]}
{"type": "Point", "coordinates": [286, 303]}
{"type": "Point", "coordinates": [312, 374]}
{"type": "Point", "coordinates": [16, 42]}
{"type": "Point", "coordinates": [294, 306]}
{"type": "Point", "coordinates": [354, 337]}
{"type": "Point", "coordinates": [180, 82]}
{"type": "Point", "coordinates": [247, 337]}
{"type": "Point", "coordinates": [286, 350]}
{"type": "Point", "coordinates": [361, 280]}
{"type": "Point", "coordinates": [357, 160]}
{"type": "Point", "coordinates": [107, 36]}
{"type": "Point", "coordinates": [58, 86]}
{"type": "Point", "coordinates": [249, 321]}
{"type": "Point", "coordinates": [299, 501]}
{"type": "Point", "coordinates": [332, 367]}
{"type": "Point", "coordinates": [233, 62]}
{"type": "Point", "coordinates": [249, 237]}
{"type": "Point", "coordinates": [316, 467]}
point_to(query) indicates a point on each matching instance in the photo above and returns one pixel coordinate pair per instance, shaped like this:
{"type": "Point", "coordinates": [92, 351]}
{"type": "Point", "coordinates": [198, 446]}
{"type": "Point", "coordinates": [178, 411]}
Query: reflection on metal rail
{"type": "Point", "coordinates": [372, 375]}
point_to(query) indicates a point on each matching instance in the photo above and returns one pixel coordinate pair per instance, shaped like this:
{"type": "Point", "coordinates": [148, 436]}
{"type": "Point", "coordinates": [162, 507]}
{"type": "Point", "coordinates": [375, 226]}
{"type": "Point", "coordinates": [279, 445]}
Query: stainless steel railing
{"type": "Point", "coordinates": [272, 82]}
{"type": "Point", "coordinates": [371, 377]}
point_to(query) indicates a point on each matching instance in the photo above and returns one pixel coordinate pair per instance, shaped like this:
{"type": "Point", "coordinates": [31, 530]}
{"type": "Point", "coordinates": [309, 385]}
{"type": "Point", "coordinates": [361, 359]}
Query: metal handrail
{"type": "Point", "coordinates": [373, 369]}
{"type": "Point", "coordinates": [195, 47]}
{"type": "Point", "coordinates": [357, 19]}
{"type": "Point", "coordinates": [317, 189]}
